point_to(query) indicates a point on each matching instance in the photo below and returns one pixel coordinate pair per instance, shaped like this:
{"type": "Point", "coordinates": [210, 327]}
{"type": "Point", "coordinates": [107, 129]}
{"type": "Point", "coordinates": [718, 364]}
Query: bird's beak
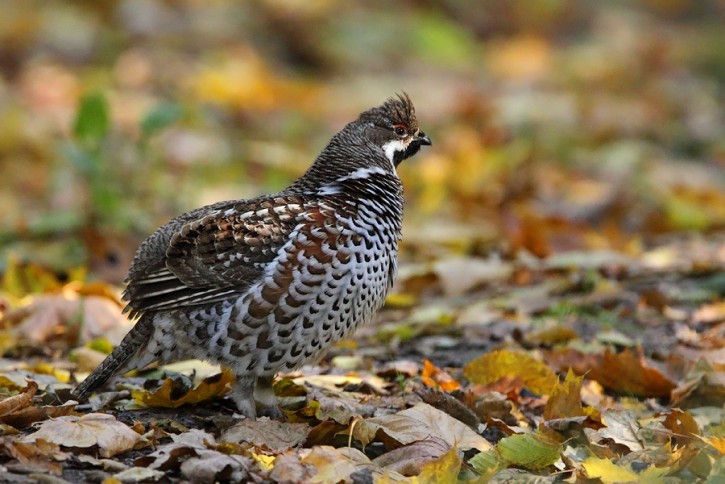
{"type": "Point", "coordinates": [422, 139]}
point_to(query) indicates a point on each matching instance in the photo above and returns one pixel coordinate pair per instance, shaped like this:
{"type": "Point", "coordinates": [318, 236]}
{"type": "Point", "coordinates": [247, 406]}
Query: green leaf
{"type": "Point", "coordinates": [93, 121]}
{"type": "Point", "coordinates": [160, 117]}
{"type": "Point", "coordinates": [486, 462]}
{"type": "Point", "coordinates": [532, 451]}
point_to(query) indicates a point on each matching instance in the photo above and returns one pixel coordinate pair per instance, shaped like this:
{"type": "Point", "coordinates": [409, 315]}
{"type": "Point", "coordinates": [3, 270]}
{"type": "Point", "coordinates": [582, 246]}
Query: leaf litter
{"type": "Point", "coordinates": [559, 311]}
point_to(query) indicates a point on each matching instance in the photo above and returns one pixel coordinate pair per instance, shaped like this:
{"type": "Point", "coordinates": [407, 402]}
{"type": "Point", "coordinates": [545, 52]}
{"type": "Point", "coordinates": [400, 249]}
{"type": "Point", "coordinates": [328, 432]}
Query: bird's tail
{"type": "Point", "coordinates": [118, 359]}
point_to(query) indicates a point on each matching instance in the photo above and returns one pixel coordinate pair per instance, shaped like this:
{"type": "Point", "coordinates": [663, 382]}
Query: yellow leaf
{"type": "Point", "coordinates": [48, 369]}
{"type": "Point", "coordinates": [443, 469]}
{"type": "Point", "coordinates": [565, 399]}
{"type": "Point", "coordinates": [210, 387]}
{"type": "Point", "coordinates": [266, 462]}
{"type": "Point", "coordinates": [533, 374]}
{"type": "Point", "coordinates": [399, 300]}
{"type": "Point", "coordinates": [717, 442]}
{"type": "Point", "coordinates": [608, 471]}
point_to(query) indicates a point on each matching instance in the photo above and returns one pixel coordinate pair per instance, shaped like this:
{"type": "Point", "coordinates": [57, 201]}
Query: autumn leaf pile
{"type": "Point", "coordinates": [559, 314]}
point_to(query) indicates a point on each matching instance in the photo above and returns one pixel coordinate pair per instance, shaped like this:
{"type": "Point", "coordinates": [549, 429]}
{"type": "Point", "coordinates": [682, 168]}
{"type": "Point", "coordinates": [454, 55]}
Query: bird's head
{"type": "Point", "coordinates": [380, 137]}
{"type": "Point", "coordinates": [394, 128]}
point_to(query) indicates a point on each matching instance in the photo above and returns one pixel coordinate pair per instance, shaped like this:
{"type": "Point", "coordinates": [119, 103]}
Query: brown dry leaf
{"type": "Point", "coordinates": [565, 399]}
{"type": "Point", "coordinates": [449, 404]}
{"type": "Point", "coordinates": [29, 415]}
{"type": "Point", "coordinates": [628, 372]}
{"type": "Point", "coordinates": [166, 396]}
{"type": "Point", "coordinates": [289, 468]}
{"type": "Point", "coordinates": [19, 401]}
{"type": "Point", "coordinates": [435, 377]}
{"type": "Point", "coordinates": [683, 426]}
{"type": "Point", "coordinates": [342, 407]}
{"type": "Point", "coordinates": [409, 460]}
{"type": "Point", "coordinates": [418, 423]}
{"type": "Point", "coordinates": [92, 430]}
{"type": "Point", "coordinates": [275, 436]}
{"type": "Point", "coordinates": [494, 366]}
{"type": "Point", "coordinates": [41, 456]}
{"type": "Point", "coordinates": [335, 465]}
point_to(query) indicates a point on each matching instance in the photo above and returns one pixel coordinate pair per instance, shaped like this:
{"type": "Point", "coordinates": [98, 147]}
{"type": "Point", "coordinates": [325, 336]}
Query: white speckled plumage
{"type": "Point", "coordinates": [268, 284]}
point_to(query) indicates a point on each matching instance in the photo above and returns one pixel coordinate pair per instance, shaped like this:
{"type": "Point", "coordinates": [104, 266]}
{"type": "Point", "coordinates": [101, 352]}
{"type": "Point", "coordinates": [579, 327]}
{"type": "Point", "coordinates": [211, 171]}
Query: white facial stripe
{"type": "Point", "coordinates": [391, 147]}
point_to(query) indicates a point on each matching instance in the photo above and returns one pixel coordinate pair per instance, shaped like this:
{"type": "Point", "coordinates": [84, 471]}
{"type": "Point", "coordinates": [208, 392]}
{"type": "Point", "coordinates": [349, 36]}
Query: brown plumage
{"type": "Point", "coordinates": [267, 284]}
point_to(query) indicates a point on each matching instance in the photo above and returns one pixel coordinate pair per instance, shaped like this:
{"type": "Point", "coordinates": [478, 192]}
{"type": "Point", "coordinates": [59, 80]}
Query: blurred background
{"type": "Point", "coordinates": [556, 125]}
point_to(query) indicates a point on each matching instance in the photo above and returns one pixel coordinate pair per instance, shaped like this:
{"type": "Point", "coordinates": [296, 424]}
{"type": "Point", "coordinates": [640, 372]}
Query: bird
{"type": "Point", "coordinates": [268, 284]}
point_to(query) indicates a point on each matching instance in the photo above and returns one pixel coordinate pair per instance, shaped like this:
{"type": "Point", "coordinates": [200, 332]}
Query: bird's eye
{"type": "Point", "coordinates": [400, 131]}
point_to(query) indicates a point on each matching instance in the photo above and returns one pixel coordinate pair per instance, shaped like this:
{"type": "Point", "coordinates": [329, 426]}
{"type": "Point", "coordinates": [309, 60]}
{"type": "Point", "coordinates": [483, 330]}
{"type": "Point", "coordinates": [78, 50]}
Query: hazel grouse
{"type": "Point", "coordinates": [267, 284]}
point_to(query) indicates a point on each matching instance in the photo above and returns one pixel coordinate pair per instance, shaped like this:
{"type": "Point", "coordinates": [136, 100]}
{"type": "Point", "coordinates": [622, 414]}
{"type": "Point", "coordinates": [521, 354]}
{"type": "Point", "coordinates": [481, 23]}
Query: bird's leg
{"type": "Point", "coordinates": [243, 396]}
{"type": "Point", "coordinates": [266, 400]}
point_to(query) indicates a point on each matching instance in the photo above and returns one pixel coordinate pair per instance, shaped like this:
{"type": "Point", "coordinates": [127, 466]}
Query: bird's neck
{"type": "Point", "coordinates": [343, 156]}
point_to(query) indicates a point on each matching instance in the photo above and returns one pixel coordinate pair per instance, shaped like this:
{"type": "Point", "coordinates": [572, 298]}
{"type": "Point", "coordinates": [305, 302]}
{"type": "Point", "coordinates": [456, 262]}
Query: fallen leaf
{"type": "Point", "coordinates": [91, 430]}
{"type": "Point", "coordinates": [213, 466]}
{"type": "Point", "coordinates": [334, 465]}
{"type": "Point", "coordinates": [622, 428]}
{"type": "Point", "coordinates": [625, 372]}
{"type": "Point", "coordinates": [169, 456]}
{"type": "Point", "coordinates": [169, 396]}
{"type": "Point", "coordinates": [290, 468]}
{"type": "Point", "coordinates": [682, 424]}
{"type": "Point", "coordinates": [435, 377]}
{"type": "Point", "coordinates": [29, 415]}
{"type": "Point", "coordinates": [486, 463]}
{"type": "Point", "coordinates": [41, 456]}
{"type": "Point", "coordinates": [718, 443]}
{"type": "Point", "coordinates": [565, 399]}
{"type": "Point", "coordinates": [275, 436]}
{"type": "Point", "coordinates": [628, 372]}
{"type": "Point", "coordinates": [139, 474]}
{"type": "Point", "coordinates": [409, 460]}
{"type": "Point", "coordinates": [443, 469]}
{"type": "Point", "coordinates": [494, 366]}
{"type": "Point", "coordinates": [449, 404]}
{"type": "Point", "coordinates": [608, 471]}
{"type": "Point", "coordinates": [336, 382]}
{"type": "Point", "coordinates": [21, 400]}
{"type": "Point", "coordinates": [419, 423]}
{"type": "Point", "coordinates": [531, 451]}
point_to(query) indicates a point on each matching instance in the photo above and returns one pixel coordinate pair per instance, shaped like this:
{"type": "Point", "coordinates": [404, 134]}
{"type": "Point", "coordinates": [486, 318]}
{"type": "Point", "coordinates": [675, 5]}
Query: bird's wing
{"type": "Point", "coordinates": [210, 255]}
